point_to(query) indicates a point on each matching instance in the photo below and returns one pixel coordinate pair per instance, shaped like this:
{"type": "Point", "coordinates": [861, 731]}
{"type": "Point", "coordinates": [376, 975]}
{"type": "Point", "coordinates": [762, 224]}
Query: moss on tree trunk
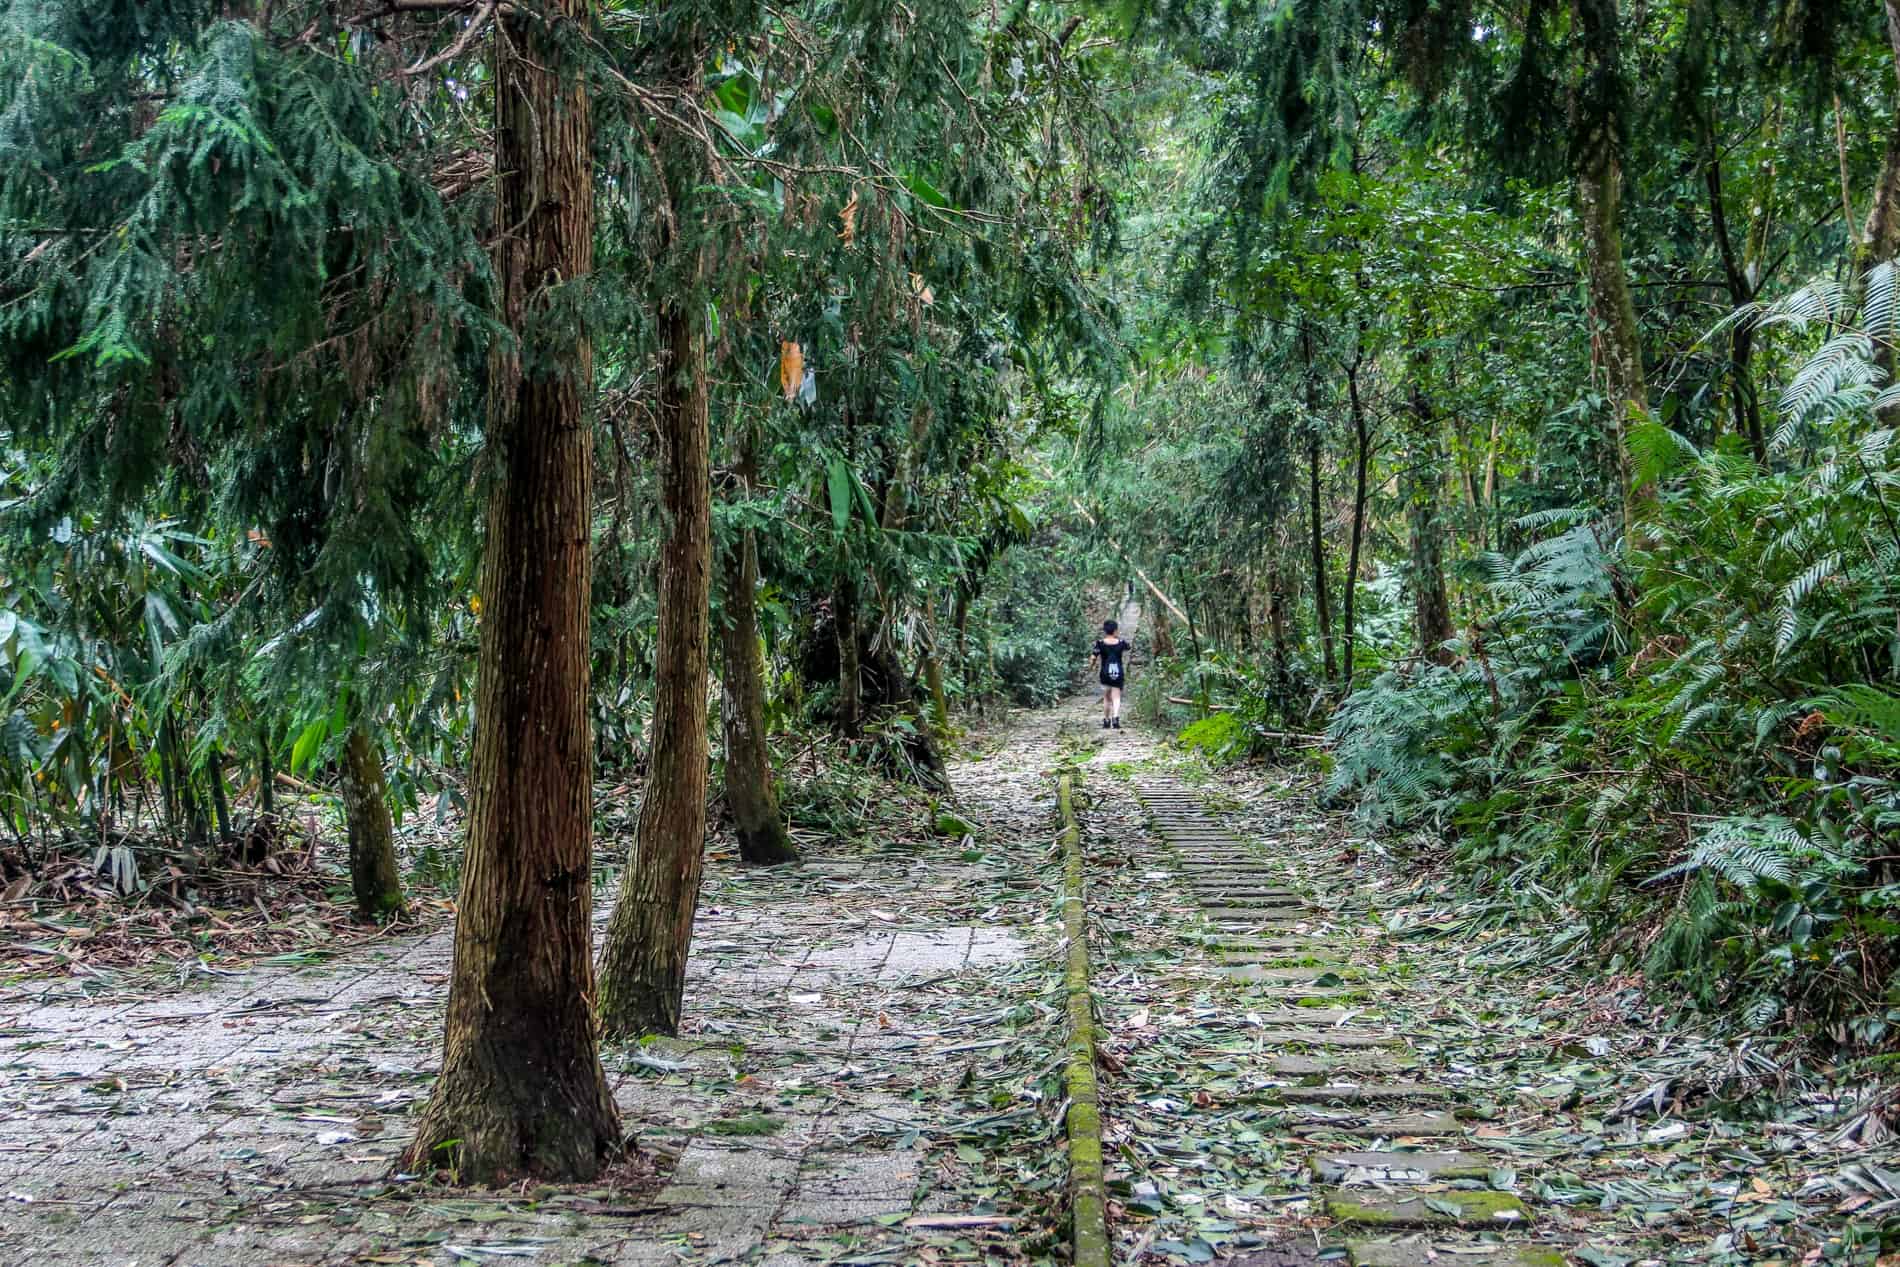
{"type": "Point", "coordinates": [375, 879]}
{"type": "Point", "coordinates": [749, 780]}
{"type": "Point", "coordinates": [522, 1092]}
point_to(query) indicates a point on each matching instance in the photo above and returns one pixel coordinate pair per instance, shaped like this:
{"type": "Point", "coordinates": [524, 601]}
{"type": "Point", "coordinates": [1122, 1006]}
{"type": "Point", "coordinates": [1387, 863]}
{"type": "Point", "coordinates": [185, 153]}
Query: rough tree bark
{"type": "Point", "coordinates": [643, 965]}
{"type": "Point", "coordinates": [521, 1091]}
{"type": "Point", "coordinates": [1615, 342]}
{"type": "Point", "coordinates": [375, 878]}
{"type": "Point", "coordinates": [750, 790]}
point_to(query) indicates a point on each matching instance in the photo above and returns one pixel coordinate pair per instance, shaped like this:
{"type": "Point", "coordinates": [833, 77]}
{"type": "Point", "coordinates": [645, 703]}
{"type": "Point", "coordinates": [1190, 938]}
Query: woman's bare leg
{"type": "Point", "coordinates": [1114, 702]}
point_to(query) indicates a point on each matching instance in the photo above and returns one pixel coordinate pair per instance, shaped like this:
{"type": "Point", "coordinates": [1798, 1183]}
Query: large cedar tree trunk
{"type": "Point", "coordinates": [1615, 341]}
{"type": "Point", "coordinates": [375, 878]}
{"type": "Point", "coordinates": [749, 788]}
{"type": "Point", "coordinates": [643, 966]}
{"type": "Point", "coordinates": [521, 1091]}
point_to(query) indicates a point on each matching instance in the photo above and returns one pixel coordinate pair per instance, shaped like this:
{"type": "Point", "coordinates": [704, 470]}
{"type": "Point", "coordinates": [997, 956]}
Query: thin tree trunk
{"type": "Point", "coordinates": [1277, 631]}
{"type": "Point", "coordinates": [939, 698]}
{"type": "Point", "coordinates": [375, 878]}
{"type": "Point", "coordinates": [1615, 342]}
{"type": "Point", "coordinates": [749, 781]}
{"type": "Point", "coordinates": [643, 965]}
{"type": "Point", "coordinates": [1745, 405]}
{"type": "Point", "coordinates": [844, 620]}
{"type": "Point", "coordinates": [1361, 461]}
{"type": "Point", "coordinates": [1322, 602]}
{"type": "Point", "coordinates": [522, 1092]}
{"type": "Point", "coordinates": [1431, 607]}
{"type": "Point", "coordinates": [1881, 239]}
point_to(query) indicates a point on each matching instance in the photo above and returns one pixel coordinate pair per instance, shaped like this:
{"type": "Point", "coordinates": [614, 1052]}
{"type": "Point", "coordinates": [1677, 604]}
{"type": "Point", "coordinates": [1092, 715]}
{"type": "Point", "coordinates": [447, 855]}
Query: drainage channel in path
{"type": "Point", "coordinates": [1311, 1080]}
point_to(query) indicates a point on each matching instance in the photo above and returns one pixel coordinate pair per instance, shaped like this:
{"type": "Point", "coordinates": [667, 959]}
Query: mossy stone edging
{"type": "Point", "coordinates": [1088, 1188]}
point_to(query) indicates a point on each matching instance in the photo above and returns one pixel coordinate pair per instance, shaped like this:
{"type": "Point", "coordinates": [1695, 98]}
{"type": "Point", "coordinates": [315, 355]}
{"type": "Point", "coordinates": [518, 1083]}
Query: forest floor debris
{"type": "Point", "coordinates": [1628, 1138]}
{"type": "Point", "coordinates": [870, 1071]}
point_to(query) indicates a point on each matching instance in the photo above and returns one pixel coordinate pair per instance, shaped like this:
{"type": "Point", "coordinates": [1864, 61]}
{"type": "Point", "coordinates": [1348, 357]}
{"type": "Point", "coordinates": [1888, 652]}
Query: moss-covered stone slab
{"type": "Point", "coordinates": [1296, 974]}
{"type": "Point", "coordinates": [1293, 959]}
{"type": "Point", "coordinates": [1399, 1167]}
{"type": "Point", "coordinates": [1290, 1065]}
{"type": "Point", "coordinates": [1429, 1251]}
{"type": "Point", "coordinates": [1254, 916]}
{"type": "Point", "coordinates": [1297, 1016]}
{"type": "Point", "coordinates": [1327, 1037]}
{"type": "Point", "coordinates": [1451, 1208]}
{"type": "Point", "coordinates": [1359, 1093]}
{"type": "Point", "coordinates": [1319, 947]}
{"type": "Point", "coordinates": [1230, 901]}
{"type": "Point", "coordinates": [1397, 1126]}
{"type": "Point", "coordinates": [1237, 878]}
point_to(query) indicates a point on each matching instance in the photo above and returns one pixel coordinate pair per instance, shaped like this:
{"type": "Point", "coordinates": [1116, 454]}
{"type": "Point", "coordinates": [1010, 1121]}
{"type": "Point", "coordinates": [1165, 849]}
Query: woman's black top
{"type": "Point", "coordinates": [1111, 654]}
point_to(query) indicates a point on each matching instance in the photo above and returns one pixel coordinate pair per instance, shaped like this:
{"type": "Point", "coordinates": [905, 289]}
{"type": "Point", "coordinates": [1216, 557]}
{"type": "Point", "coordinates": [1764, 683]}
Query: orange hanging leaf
{"type": "Point", "coordinates": [848, 218]}
{"type": "Point", "coordinates": [791, 368]}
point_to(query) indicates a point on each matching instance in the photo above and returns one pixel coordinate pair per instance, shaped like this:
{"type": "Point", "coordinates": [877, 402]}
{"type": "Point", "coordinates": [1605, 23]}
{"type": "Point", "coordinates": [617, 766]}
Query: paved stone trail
{"type": "Point", "coordinates": [861, 1075]}
{"type": "Point", "coordinates": [1399, 1205]}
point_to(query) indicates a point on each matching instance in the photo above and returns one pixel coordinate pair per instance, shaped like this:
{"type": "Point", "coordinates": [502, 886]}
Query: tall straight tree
{"type": "Point", "coordinates": [521, 1090]}
{"type": "Point", "coordinates": [1600, 110]}
{"type": "Point", "coordinates": [643, 965]}
{"type": "Point", "coordinates": [750, 792]}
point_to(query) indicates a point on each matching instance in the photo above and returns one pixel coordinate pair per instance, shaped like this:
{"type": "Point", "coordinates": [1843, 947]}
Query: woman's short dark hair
{"type": "Point", "coordinates": [1109, 626]}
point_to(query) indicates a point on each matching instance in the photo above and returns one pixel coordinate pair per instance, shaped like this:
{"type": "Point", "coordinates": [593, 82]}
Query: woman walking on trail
{"type": "Point", "coordinates": [1110, 654]}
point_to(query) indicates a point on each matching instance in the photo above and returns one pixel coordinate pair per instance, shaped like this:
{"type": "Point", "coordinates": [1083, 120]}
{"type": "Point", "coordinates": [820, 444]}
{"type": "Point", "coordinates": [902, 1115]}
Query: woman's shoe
{"type": "Point", "coordinates": [1117, 723]}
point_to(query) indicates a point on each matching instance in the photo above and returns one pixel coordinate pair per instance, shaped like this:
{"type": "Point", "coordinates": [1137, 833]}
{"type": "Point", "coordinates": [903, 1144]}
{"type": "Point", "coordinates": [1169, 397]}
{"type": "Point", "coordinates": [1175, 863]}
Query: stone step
{"type": "Point", "coordinates": [1359, 1093]}
{"type": "Point", "coordinates": [1293, 975]}
{"type": "Point", "coordinates": [1452, 1208]}
{"type": "Point", "coordinates": [1327, 1037]}
{"type": "Point", "coordinates": [1228, 878]}
{"type": "Point", "coordinates": [1230, 872]}
{"type": "Point", "coordinates": [1288, 959]}
{"type": "Point", "coordinates": [1416, 1125]}
{"type": "Point", "coordinates": [1228, 899]}
{"type": "Point", "coordinates": [1249, 916]}
{"type": "Point", "coordinates": [1398, 1167]}
{"type": "Point", "coordinates": [1300, 1016]}
{"type": "Point", "coordinates": [1291, 944]}
{"type": "Point", "coordinates": [1428, 1251]}
{"type": "Point", "coordinates": [1340, 1065]}
{"type": "Point", "coordinates": [1293, 994]}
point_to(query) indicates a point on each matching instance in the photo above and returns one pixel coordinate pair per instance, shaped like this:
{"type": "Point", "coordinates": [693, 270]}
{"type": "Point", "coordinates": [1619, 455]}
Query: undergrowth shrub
{"type": "Point", "coordinates": [1695, 742]}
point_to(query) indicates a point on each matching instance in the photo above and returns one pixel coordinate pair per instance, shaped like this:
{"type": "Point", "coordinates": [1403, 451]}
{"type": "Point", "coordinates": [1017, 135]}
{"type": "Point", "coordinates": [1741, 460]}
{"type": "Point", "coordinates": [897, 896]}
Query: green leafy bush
{"type": "Point", "coordinates": [1694, 742]}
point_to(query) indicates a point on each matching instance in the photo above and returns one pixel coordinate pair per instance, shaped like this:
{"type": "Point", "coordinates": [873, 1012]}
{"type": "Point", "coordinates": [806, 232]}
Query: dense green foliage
{"type": "Point", "coordinates": [1498, 389]}
{"type": "Point", "coordinates": [1619, 647]}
